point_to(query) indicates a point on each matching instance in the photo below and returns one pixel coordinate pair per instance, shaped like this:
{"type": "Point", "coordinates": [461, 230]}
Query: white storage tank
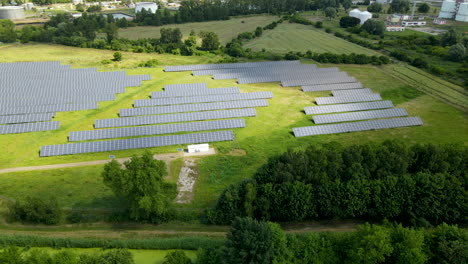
{"type": "Point", "coordinates": [448, 9]}
{"type": "Point", "coordinates": [12, 12]}
{"type": "Point", "coordinates": [364, 16]}
{"type": "Point", "coordinates": [462, 13]}
{"type": "Point", "coordinates": [148, 6]}
{"type": "Point", "coordinates": [28, 6]}
{"type": "Point", "coordinates": [354, 13]}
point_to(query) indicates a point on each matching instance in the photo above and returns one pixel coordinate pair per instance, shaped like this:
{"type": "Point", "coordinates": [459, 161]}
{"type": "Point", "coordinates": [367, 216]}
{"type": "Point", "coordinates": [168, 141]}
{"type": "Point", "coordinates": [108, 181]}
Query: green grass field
{"type": "Point", "coordinates": [295, 37]}
{"type": "Point", "coordinates": [226, 30]}
{"type": "Point", "coordinates": [266, 135]}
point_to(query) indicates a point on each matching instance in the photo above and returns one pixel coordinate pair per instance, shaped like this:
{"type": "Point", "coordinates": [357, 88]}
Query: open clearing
{"type": "Point", "coordinates": [265, 135]}
{"type": "Point", "coordinates": [295, 37]}
{"type": "Point", "coordinates": [226, 30]}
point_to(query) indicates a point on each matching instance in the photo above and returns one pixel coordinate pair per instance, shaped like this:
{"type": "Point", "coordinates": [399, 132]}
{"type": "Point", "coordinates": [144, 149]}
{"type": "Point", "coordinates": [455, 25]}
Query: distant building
{"type": "Point", "coordinates": [457, 10]}
{"type": "Point", "coordinates": [362, 15]}
{"type": "Point", "coordinates": [439, 21]}
{"type": "Point", "coordinates": [148, 6]}
{"type": "Point", "coordinates": [413, 23]}
{"type": "Point", "coordinates": [393, 28]}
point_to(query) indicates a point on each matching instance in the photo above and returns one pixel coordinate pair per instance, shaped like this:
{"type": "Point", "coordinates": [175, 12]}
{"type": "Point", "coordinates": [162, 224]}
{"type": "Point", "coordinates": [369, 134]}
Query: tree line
{"type": "Point", "coordinates": [418, 185]}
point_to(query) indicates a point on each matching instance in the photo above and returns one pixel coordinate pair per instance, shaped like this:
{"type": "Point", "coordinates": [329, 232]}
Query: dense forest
{"type": "Point", "coordinates": [418, 185]}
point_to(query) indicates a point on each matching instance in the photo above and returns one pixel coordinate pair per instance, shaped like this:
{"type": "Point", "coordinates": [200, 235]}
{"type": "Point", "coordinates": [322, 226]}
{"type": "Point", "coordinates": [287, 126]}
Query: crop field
{"type": "Point", "coordinates": [265, 135]}
{"type": "Point", "coordinates": [234, 26]}
{"type": "Point", "coordinates": [295, 37]}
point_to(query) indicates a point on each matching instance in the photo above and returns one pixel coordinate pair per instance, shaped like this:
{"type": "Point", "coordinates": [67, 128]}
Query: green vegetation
{"type": "Point", "coordinates": [36, 210]}
{"type": "Point", "coordinates": [235, 25]}
{"type": "Point", "coordinates": [294, 37]}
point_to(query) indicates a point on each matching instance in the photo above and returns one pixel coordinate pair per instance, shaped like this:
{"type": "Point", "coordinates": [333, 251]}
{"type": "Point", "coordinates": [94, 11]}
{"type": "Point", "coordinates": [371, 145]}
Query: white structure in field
{"type": "Point", "coordinates": [198, 148]}
{"type": "Point", "coordinates": [12, 12]}
{"type": "Point", "coordinates": [362, 15]}
{"type": "Point", "coordinates": [413, 23]}
{"type": "Point", "coordinates": [148, 6]}
{"type": "Point", "coordinates": [457, 10]}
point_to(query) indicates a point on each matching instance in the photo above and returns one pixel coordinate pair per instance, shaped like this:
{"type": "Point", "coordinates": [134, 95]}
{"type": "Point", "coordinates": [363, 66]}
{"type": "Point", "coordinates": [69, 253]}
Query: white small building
{"type": "Point", "coordinates": [148, 6]}
{"type": "Point", "coordinates": [393, 28]}
{"type": "Point", "coordinates": [439, 21]}
{"type": "Point", "coordinates": [198, 148]}
{"type": "Point", "coordinates": [362, 15]}
{"type": "Point", "coordinates": [413, 23]}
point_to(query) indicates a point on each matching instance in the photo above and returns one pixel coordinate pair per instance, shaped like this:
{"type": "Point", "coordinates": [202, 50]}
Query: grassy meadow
{"type": "Point", "coordinates": [296, 37]}
{"type": "Point", "coordinates": [226, 30]}
{"type": "Point", "coordinates": [268, 134]}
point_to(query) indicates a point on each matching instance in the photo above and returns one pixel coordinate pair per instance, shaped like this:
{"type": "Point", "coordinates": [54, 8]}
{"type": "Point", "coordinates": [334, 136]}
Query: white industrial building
{"type": "Point", "coordinates": [455, 9]}
{"type": "Point", "coordinates": [148, 6]}
{"type": "Point", "coordinates": [362, 15]}
{"type": "Point", "coordinates": [12, 12]}
{"type": "Point", "coordinates": [413, 23]}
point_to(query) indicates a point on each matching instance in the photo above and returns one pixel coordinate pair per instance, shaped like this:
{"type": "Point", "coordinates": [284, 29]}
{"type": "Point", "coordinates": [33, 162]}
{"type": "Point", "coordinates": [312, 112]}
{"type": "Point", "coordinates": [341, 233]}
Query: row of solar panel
{"type": "Point", "coordinates": [289, 71]}
{"type": "Point", "coordinates": [47, 108]}
{"type": "Point", "coordinates": [56, 99]}
{"type": "Point", "coordinates": [331, 87]}
{"type": "Point", "coordinates": [326, 109]}
{"type": "Point", "coordinates": [351, 92]}
{"type": "Point", "coordinates": [205, 91]}
{"type": "Point", "coordinates": [27, 67]}
{"type": "Point", "coordinates": [301, 82]}
{"type": "Point", "coordinates": [174, 118]}
{"type": "Point", "coordinates": [348, 99]}
{"type": "Point", "coordinates": [29, 127]}
{"type": "Point", "coordinates": [356, 116]}
{"type": "Point", "coordinates": [134, 143]}
{"type": "Point", "coordinates": [203, 99]}
{"type": "Point", "coordinates": [51, 73]}
{"type": "Point", "coordinates": [242, 70]}
{"type": "Point", "coordinates": [185, 86]}
{"type": "Point", "coordinates": [357, 126]}
{"type": "Point", "coordinates": [192, 107]}
{"type": "Point", "coordinates": [16, 119]}
{"type": "Point", "coordinates": [227, 66]}
{"type": "Point", "coordinates": [291, 78]}
{"type": "Point", "coordinates": [155, 130]}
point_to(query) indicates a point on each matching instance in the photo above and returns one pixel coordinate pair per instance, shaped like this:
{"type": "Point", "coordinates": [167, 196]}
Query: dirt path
{"type": "Point", "coordinates": [168, 157]}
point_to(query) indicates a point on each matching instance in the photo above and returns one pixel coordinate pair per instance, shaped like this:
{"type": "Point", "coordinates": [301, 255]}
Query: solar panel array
{"type": "Point", "coordinates": [206, 91]}
{"type": "Point", "coordinates": [33, 91]}
{"type": "Point", "coordinates": [327, 80]}
{"type": "Point", "coordinates": [331, 87]}
{"type": "Point", "coordinates": [29, 127]}
{"type": "Point", "coordinates": [186, 87]}
{"type": "Point", "coordinates": [348, 99]}
{"type": "Point", "coordinates": [16, 119]}
{"type": "Point", "coordinates": [174, 118]}
{"type": "Point", "coordinates": [192, 107]}
{"type": "Point", "coordinates": [203, 99]}
{"type": "Point", "coordinates": [244, 70]}
{"type": "Point", "coordinates": [356, 116]}
{"type": "Point", "coordinates": [227, 66]}
{"type": "Point", "coordinates": [134, 143]}
{"type": "Point", "coordinates": [357, 126]}
{"type": "Point", "coordinates": [326, 109]}
{"type": "Point", "coordinates": [156, 130]}
{"type": "Point", "coordinates": [351, 92]}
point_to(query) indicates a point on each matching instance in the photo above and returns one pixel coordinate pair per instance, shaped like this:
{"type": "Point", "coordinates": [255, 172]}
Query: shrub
{"type": "Point", "coordinates": [117, 56]}
{"type": "Point", "coordinates": [36, 210]}
{"type": "Point", "coordinates": [177, 257]}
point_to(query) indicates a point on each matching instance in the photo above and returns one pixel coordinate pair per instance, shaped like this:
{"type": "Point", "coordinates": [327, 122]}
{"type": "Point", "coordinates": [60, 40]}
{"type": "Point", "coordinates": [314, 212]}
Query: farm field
{"type": "Point", "coordinates": [296, 37]}
{"type": "Point", "coordinates": [265, 135]}
{"type": "Point", "coordinates": [235, 25]}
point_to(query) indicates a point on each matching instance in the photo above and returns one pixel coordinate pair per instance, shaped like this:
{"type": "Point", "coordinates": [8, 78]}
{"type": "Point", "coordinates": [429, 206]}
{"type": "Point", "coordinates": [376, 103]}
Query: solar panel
{"type": "Point", "coordinates": [227, 66]}
{"type": "Point", "coordinates": [47, 108]}
{"type": "Point", "coordinates": [352, 92]}
{"type": "Point", "coordinates": [330, 87]}
{"type": "Point", "coordinates": [348, 99]}
{"type": "Point", "coordinates": [23, 100]}
{"type": "Point", "coordinates": [29, 127]}
{"type": "Point", "coordinates": [192, 107]}
{"type": "Point", "coordinates": [174, 118]}
{"type": "Point", "coordinates": [357, 126]}
{"type": "Point", "coordinates": [356, 116]}
{"type": "Point", "coordinates": [203, 99]}
{"type": "Point", "coordinates": [325, 109]}
{"type": "Point", "coordinates": [134, 143]}
{"type": "Point", "coordinates": [186, 86]}
{"type": "Point", "coordinates": [293, 70]}
{"type": "Point", "coordinates": [299, 82]}
{"type": "Point", "coordinates": [290, 77]}
{"type": "Point", "coordinates": [156, 130]}
{"type": "Point", "coordinates": [242, 70]}
{"type": "Point", "coordinates": [207, 91]}
{"type": "Point", "coordinates": [16, 119]}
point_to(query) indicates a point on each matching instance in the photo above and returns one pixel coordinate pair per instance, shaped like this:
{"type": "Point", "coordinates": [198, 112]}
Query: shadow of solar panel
{"type": "Point", "coordinates": [47, 108]}
{"type": "Point", "coordinates": [330, 87]}
{"type": "Point", "coordinates": [351, 92]}
{"type": "Point", "coordinates": [356, 116]}
{"type": "Point", "coordinates": [357, 126]}
{"type": "Point", "coordinates": [325, 109]}
{"type": "Point", "coordinates": [185, 87]}
{"type": "Point", "coordinates": [348, 99]}
{"type": "Point", "coordinates": [174, 118]}
{"type": "Point", "coordinates": [203, 99]}
{"type": "Point", "coordinates": [29, 127]}
{"type": "Point", "coordinates": [192, 107]}
{"type": "Point", "coordinates": [156, 130]}
{"type": "Point", "coordinates": [134, 143]}
{"type": "Point", "coordinates": [299, 82]}
{"type": "Point", "coordinates": [16, 119]}
{"type": "Point", "coordinates": [227, 66]}
{"type": "Point", "coordinates": [207, 91]}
